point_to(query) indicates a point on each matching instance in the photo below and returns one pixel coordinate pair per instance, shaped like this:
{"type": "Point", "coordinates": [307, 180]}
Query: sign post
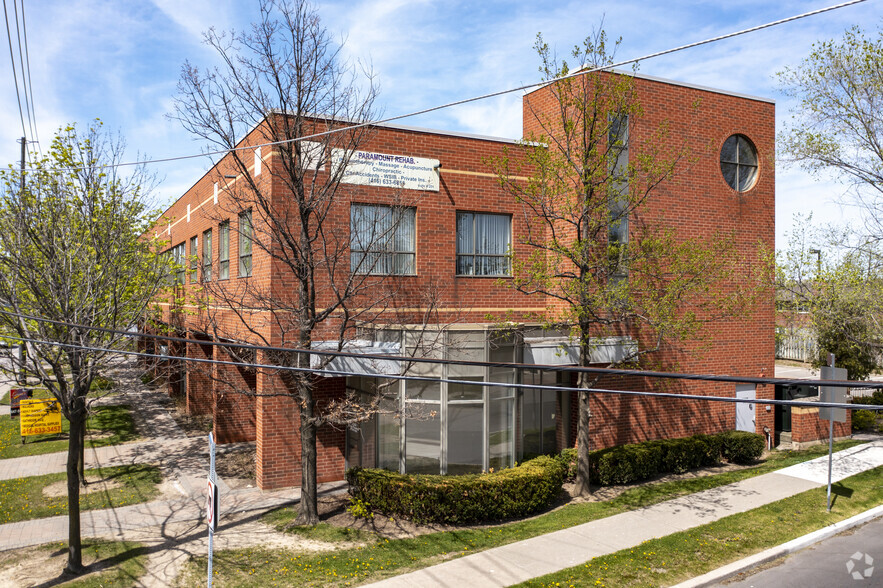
{"type": "Point", "coordinates": [832, 394]}
{"type": "Point", "coordinates": [211, 505]}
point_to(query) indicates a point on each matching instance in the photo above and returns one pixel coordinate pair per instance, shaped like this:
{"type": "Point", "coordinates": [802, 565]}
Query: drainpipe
{"type": "Point", "coordinates": [769, 438]}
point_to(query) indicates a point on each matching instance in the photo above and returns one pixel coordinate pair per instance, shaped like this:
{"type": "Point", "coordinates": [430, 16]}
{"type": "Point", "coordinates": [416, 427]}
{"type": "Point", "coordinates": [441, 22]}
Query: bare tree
{"type": "Point", "coordinates": [285, 83]}
{"type": "Point", "coordinates": [71, 260]}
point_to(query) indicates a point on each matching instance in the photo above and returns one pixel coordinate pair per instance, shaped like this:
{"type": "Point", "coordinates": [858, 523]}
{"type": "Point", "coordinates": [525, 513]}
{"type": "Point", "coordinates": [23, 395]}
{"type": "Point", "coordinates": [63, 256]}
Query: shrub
{"type": "Point", "coordinates": [471, 498]}
{"type": "Point", "coordinates": [625, 463]}
{"type": "Point", "coordinates": [359, 509]}
{"type": "Point", "coordinates": [681, 455]}
{"type": "Point", "coordinates": [876, 398]}
{"type": "Point", "coordinates": [741, 447]}
{"type": "Point", "coordinates": [710, 447]}
{"type": "Point", "coordinates": [568, 460]}
{"type": "Point", "coordinates": [863, 420]}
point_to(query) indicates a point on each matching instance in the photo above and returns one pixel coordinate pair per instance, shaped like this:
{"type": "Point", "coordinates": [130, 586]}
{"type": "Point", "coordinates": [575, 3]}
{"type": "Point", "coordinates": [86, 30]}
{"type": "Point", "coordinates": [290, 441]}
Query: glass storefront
{"type": "Point", "coordinates": [437, 427]}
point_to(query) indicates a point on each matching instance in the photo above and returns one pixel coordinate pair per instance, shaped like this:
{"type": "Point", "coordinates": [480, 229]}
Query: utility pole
{"type": "Point", "coordinates": [24, 144]}
{"type": "Point", "coordinates": [23, 347]}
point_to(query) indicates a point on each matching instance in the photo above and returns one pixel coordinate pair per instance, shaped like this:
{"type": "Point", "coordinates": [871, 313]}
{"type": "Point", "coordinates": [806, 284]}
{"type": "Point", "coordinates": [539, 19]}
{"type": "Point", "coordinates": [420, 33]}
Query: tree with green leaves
{"type": "Point", "coordinates": [827, 283]}
{"type": "Point", "coordinates": [72, 260]}
{"type": "Point", "coordinates": [607, 269]}
{"type": "Point", "coordinates": [836, 128]}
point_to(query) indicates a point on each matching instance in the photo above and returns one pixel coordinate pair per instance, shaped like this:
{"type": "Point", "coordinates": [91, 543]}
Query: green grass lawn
{"type": "Point", "coordinates": [23, 499]}
{"type": "Point", "coordinates": [100, 385]}
{"type": "Point", "coordinates": [112, 422]}
{"type": "Point", "coordinates": [680, 556]}
{"type": "Point", "coordinates": [383, 558]}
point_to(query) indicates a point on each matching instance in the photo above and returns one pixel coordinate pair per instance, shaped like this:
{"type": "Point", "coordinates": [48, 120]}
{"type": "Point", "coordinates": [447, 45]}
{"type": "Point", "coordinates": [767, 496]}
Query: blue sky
{"type": "Point", "coordinates": [120, 60]}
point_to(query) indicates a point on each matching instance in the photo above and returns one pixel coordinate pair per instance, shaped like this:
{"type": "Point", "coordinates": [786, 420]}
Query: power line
{"type": "Point", "coordinates": [12, 63]}
{"type": "Point", "coordinates": [344, 354]}
{"type": "Point", "coordinates": [492, 384]}
{"type": "Point", "coordinates": [21, 62]}
{"type": "Point", "coordinates": [30, 85]}
{"type": "Point", "coordinates": [480, 97]}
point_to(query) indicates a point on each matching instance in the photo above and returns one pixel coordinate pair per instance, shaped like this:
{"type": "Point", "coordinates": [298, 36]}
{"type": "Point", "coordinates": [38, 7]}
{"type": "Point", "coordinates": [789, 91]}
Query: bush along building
{"type": "Point", "coordinates": [393, 240]}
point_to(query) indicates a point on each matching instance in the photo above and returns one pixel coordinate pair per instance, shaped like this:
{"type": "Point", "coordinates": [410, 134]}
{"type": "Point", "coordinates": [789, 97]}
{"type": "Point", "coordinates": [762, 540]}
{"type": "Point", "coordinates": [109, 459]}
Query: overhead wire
{"type": "Point", "coordinates": [438, 361]}
{"type": "Point", "coordinates": [21, 63]}
{"type": "Point", "coordinates": [14, 74]}
{"type": "Point", "coordinates": [24, 27]}
{"type": "Point", "coordinates": [440, 107]}
{"type": "Point", "coordinates": [486, 96]}
{"type": "Point", "coordinates": [491, 384]}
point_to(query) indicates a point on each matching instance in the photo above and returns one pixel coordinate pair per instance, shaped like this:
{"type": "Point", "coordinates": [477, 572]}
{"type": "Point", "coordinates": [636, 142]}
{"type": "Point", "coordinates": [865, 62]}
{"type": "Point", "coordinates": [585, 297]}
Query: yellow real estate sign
{"type": "Point", "coordinates": [40, 417]}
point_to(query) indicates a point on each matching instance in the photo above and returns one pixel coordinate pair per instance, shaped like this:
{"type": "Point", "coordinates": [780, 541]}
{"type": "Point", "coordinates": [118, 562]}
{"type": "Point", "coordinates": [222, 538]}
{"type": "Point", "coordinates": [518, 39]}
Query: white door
{"type": "Point", "coordinates": [744, 410]}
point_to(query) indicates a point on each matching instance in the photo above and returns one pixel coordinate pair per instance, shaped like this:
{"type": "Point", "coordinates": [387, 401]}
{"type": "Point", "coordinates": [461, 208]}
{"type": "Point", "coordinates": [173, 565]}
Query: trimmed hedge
{"type": "Point", "coordinates": [625, 463]}
{"type": "Point", "coordinates": [638, 461]}
{"type": "Point", "coordinates": [472, 498]}
{"type": "Point", "coordinates": [741, 446]}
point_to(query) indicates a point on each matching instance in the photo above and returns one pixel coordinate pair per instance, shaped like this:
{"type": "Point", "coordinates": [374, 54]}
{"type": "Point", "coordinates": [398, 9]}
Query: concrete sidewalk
{"type": "Point", "coordinates": [518, 562]}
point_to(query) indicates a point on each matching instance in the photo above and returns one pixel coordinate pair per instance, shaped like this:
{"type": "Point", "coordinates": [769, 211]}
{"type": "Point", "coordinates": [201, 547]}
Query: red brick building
{"type": "Point", "coordinates": [455, 235]}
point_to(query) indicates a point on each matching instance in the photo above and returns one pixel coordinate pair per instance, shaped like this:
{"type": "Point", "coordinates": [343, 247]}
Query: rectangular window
{"type": "Point", "coordinates": [178, 256]}
{"type": "Point", "coordinates": [618, 163]}
{"type": "Point", "coordinates": [257, 161]}
{"type": "Point", "coordinates": [382, 239]}
{"type": "Point", "coordinates": [224, 250]}
{"type": "Point", "coordinates": [207, 256]}
{"type": "Point", "coordinates": [423, 429]}
{"type": "Point", "coordinates": [483, 244]}
{"type": "Point", "coordinates": [245, 236]}
{"type": "Point", "coordinates": [194, 258]}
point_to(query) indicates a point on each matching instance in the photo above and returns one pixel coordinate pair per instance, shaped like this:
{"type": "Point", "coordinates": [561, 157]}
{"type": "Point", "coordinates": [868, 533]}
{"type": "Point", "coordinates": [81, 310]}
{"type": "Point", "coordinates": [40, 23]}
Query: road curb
{"type": "Point", "coordinates": [773, 553]}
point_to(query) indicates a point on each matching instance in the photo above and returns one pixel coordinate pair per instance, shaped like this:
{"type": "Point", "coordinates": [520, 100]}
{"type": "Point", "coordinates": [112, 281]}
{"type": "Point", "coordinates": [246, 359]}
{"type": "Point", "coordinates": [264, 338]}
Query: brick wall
{"type": "Point", "coordinates": [199, 378]}
{"type": "Point", "coordinates": [277, 429]}
{"type": "Point", "coordinates": [234, 400]}
{"type": "Point", "coordinates": [806, 426]}
{"type": "Point", "coordinates": [696, 202]}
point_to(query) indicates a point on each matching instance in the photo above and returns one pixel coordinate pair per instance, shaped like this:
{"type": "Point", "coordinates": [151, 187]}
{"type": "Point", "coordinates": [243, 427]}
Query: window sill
{"type": "Point", "coordinates": [378, 275]}
{"type": "Point", "coordinates": [495, 276]}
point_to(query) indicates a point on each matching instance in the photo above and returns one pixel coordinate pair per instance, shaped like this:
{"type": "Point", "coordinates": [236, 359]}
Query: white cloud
{"type": "Point", "coordinates": [121, 61]}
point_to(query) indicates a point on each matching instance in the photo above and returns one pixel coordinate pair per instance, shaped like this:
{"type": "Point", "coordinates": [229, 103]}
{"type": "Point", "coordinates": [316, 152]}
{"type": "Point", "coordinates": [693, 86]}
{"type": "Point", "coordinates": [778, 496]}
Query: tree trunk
{"type": "Point", "coordinates": [309, 505]}
{"type": "Point", "coordinates": [81, 459]}
{"type": "Point", "coordinates": [75, 549]}
{"type": "Point", "coordinates": [582, 483]}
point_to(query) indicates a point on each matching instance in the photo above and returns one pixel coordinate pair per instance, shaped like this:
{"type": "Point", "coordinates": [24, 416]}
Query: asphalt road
{"type": "Point", "coordinates": [853, 558]}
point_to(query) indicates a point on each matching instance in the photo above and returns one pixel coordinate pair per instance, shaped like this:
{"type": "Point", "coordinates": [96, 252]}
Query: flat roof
{"type": "Point", "coordinates": [696, 86]}
{"type": "Point", "coordinates": [677, 83]}
{"type": "Point", "coordinates": [445, 132]}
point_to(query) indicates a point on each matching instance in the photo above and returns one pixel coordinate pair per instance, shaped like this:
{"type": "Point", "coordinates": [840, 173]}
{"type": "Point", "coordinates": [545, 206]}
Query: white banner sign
{"type": "Point", "coordinates": [389, 171]}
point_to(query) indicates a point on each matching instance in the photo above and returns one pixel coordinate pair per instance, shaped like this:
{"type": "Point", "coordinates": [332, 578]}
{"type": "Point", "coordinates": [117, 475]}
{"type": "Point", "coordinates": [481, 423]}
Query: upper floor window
{"type": "Point", "coordinates": [739, 163]}
{"type": "Point", "coordinates": [618, 198]}
{"type": "Point", "coordinates": [245, 238]}
{"type": "Point", "coordinates": [178, 256]}
{"type": "Point", "coordinates": [483, 244]}
{"type": "Point", "coordinates": [207, 256]}
{"type": "Point", "coordinates": [224, 250]}
{"type": "Point", "coordinates": [382, 239]}
{"type": "Point", "coordinates": [194, 258]}
{"type": "Point", "coordinates": [257, 161]}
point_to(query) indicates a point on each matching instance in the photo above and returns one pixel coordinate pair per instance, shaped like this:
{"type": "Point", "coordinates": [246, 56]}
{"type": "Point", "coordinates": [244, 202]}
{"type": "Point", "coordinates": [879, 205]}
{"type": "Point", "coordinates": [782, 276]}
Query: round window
{"type": "Point", "coordinates": [739, 163]}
